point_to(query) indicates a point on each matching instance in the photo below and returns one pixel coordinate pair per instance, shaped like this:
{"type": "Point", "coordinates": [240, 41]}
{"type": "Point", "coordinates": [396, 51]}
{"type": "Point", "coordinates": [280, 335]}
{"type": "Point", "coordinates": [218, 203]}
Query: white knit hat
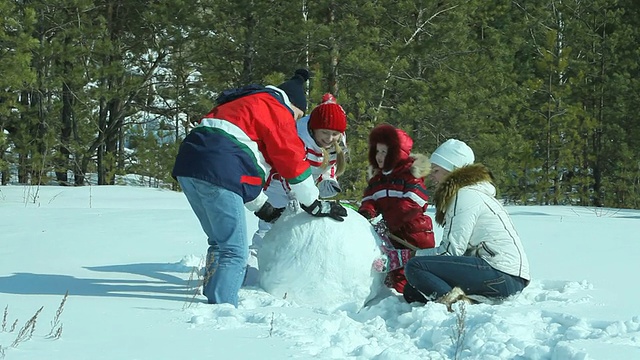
{"type": "Point", "coordinates": [452, 154]}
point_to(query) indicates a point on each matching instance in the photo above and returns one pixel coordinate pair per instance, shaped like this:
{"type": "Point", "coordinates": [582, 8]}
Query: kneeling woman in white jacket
{"type": "Point", "coordinates": [480, 252]}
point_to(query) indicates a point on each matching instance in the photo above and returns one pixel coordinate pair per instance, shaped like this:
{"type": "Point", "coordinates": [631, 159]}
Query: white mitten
{"type": "Point", "coordinates": [328, 188]}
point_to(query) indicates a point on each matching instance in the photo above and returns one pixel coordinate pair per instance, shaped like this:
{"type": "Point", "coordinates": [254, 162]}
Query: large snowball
{"type": "Point", "coordinates": [319, 261]}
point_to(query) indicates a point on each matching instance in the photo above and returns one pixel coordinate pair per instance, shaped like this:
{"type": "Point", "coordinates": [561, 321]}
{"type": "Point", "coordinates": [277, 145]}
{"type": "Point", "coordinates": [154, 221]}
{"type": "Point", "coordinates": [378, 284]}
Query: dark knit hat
{"type": "Point", "coordinates": [294, 88]}
{"type": "Point", "coordinates": [397, 140]}
{"type": "Point", "coordinates": [328, 115]}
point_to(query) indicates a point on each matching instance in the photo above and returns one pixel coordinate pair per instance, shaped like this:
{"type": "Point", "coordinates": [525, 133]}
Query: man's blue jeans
{"type": "Point", "coordinates": [435, 276]}
{"type": "Point", "coordinates": [222, 217]}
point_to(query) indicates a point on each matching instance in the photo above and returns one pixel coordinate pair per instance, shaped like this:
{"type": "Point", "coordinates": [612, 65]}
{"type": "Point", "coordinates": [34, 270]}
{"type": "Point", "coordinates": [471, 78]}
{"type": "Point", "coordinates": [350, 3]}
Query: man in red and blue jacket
{"type": "Point", "coordinates": [222, 165]}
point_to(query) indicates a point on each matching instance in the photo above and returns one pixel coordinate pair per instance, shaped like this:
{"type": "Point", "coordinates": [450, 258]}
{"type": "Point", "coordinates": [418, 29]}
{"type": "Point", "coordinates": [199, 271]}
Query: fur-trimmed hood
{"type": "Point", "coordinates": [399, 145]}
{"type": "Point", "coordinates": [420, 166]}
{"type": "Point", "coordinates": [459, 178]}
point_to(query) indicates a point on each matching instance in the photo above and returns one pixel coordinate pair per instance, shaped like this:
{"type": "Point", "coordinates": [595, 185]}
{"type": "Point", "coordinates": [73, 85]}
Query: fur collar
{"type": "Point", "coordinates": [459, 178]}
{"type": "Point", "coordinates": [420, 167]}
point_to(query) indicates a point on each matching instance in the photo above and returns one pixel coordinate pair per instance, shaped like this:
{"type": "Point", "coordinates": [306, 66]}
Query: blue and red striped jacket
{"type": "Point", "coordinates": [237, 143]}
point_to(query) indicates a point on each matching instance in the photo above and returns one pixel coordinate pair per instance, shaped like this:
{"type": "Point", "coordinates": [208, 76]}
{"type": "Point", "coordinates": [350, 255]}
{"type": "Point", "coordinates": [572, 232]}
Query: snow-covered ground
{"type": "Point", "coordinates": [126, 256]}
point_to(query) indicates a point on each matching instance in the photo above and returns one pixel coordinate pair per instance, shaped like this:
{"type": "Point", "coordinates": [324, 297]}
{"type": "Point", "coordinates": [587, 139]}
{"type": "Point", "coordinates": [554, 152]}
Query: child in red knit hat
{"type": "Point", "coordinates": [323, 134]}
{"type": "Point", "coordinates": [322, 138]}
{"type": "Point", "coordinates": [396, 190]}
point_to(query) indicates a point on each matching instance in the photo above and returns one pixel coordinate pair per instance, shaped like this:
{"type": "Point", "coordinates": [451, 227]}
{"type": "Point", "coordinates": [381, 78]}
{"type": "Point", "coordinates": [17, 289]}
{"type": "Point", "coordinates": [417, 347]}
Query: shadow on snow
{"type": "Point", "coordinates": [155, 283]}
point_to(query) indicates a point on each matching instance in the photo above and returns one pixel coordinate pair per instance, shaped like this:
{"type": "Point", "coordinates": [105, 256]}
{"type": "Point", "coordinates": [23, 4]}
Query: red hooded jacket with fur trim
{"type": "Point", "coordinates": [398, 191]}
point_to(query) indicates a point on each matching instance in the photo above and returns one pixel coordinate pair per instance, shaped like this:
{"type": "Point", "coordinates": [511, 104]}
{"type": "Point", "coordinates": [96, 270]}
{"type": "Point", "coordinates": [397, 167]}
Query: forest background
{"type": "Point", "coordinates": [546, 92]}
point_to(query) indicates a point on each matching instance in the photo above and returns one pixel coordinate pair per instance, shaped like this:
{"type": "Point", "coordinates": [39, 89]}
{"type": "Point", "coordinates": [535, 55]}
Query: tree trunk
{"type": "Point", "coordinates": [66, 122]}
{"type": "Point", "coordinates": [111, 139]}
{"type": "Point", "coordinates": [249, 49]}
{"type": "Point", "coordinates": [333, 55]}
{"type": "Point", "coordinates": [100, 148]}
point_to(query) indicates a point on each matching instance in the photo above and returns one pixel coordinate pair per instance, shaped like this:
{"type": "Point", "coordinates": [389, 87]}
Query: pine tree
{"type": "Point", "coordinates": [16, 28]}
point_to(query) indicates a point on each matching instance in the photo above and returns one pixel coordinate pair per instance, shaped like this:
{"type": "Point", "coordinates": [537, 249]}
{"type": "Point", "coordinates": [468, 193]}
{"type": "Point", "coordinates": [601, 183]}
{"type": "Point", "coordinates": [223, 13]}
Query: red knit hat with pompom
{"type": "Point", "coordinates": [328, 115]}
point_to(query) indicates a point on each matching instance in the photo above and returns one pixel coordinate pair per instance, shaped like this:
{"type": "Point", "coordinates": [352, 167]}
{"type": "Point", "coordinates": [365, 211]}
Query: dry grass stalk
{"type": "Point", "coordinates": [208, 264]}
{"type": "Point", "coordinates": [600, 212]}
{"type": "Point", "coordinates": [58, 333]}
{"type": "Point", "coordinates": [2, 352]}
{"type": "Point", "coordinates": [55, 323]}
{"type": "Point", "coordinates": [273, 314]}
{"type": "Point", "coordinates": [27, 330]}
{"type": "Point", "coordinates": [33, 328]}
{"type": "Point", "coordinates": [4, 318]}
{"type": "Point", "coordinates": [13, 326]}
{"type": "Point", "coordinates": [195, 274]}
{"type": "Point", "coordinates": [459, 332]}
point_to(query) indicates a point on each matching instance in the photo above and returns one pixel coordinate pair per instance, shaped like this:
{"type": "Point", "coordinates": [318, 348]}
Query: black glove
{"type": "Point", "coordinates": [268, 213]}
{"type": "Point", "coordinates": [322, 208]}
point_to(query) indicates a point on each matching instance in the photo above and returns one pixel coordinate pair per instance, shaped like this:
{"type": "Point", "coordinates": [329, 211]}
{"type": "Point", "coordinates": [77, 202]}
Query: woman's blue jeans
{"type": "Point", "coordinates": [222, 217]}
{"type": "Point", "coordinates": [435, 276]}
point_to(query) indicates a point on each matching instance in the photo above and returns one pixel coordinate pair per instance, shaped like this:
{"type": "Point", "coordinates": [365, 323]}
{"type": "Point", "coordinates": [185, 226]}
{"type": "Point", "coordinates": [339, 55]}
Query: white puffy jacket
{"type": "Point", "coordinates": [476, 224]}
